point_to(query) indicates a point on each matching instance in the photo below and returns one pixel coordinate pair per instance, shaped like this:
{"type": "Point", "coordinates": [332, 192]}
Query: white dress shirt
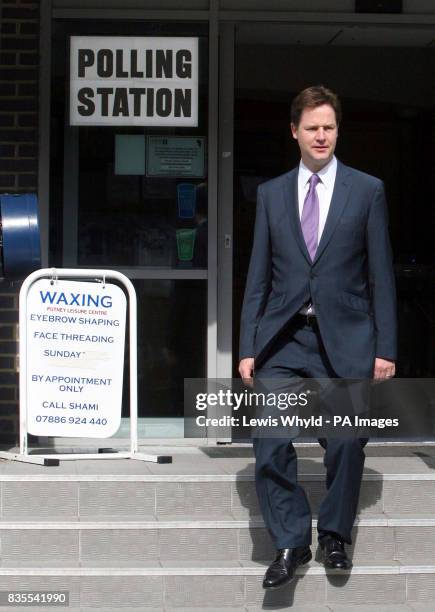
{"type": "Point", "coordinates": [324, 192]}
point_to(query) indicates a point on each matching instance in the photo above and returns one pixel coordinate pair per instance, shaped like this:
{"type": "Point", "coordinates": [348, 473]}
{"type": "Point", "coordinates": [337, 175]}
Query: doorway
{"type": "Point", "coordinates": [383, 78]}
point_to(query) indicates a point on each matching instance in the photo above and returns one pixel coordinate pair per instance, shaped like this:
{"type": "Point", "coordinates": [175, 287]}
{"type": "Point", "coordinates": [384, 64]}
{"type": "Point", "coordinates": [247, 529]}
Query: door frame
{"type": "Point", "coordinates": [48, 15]}
{"type": "Point", "coordinates": [221, 65]}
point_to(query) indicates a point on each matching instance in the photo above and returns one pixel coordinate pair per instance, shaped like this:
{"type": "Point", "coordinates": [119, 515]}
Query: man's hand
{"type": "Point", "coordinates": [384, 369]}
{"type": "Point", "coordinates": [246, 370]}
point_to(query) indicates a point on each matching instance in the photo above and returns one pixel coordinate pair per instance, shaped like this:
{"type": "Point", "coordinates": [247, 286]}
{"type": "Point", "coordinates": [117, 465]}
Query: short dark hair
{"type": "Point", "coordinates": [311, 97]}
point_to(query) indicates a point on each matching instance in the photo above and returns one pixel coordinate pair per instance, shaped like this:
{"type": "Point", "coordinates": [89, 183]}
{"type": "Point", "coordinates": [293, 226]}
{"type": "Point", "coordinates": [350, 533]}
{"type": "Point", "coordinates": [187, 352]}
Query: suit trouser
{"type": "Point", "coordinates": [299, 353]}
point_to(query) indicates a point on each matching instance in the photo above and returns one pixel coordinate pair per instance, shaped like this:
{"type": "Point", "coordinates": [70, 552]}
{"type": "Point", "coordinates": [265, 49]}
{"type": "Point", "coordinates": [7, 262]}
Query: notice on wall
{"type": "Point", "coordinates": [176, 156]}
{"type": "Point", "coordinates": [117, 80]}
{"type": "Point", "coordinates": [129, 154]}
{"type": "Point", "coordinates": [75, 358]}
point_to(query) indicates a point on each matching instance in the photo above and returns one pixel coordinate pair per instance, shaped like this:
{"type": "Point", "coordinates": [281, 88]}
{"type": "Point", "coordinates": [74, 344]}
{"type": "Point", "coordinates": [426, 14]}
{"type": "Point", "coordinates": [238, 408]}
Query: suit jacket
{"type": "Point", "coordinates": [350, 282]}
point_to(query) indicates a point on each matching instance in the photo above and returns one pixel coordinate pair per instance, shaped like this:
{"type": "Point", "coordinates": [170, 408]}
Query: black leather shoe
{"type": "Point", "coordinates": [334, 555]}
{"type": "Point", "coordinates": [282, 570]}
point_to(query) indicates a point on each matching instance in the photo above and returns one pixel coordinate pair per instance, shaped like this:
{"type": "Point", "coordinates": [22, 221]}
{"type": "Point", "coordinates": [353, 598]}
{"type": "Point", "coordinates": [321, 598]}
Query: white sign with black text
{"type": "Point", "coordinates": [75, 358]}
{"type": "Point", "coordinates": [117, 80]}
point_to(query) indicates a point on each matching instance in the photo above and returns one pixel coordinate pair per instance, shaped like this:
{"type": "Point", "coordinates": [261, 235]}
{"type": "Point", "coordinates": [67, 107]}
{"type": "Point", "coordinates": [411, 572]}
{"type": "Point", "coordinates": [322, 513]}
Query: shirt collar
{"type": "Point", "coordinates": [326, 174]}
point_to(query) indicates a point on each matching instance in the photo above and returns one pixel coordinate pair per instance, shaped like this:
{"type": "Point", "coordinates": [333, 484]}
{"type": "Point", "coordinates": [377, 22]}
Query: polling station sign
{"type": "Point", "coordinates": [117, 80]}
{"type": "Point", "coordinates": [75, 340]}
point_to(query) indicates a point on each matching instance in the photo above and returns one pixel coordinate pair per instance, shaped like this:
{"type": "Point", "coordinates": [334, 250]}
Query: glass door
{"type": "Point", "coordinates": [120, 201]}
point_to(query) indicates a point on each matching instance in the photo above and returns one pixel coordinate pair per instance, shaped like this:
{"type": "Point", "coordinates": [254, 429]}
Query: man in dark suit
{"type": "Point", "coordinates": [319, 303]}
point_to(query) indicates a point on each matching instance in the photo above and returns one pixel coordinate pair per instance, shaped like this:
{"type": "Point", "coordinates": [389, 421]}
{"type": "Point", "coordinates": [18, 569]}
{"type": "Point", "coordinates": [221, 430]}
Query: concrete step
{"type": "Point", "coordinates": [141, 544]}
{"type": "Point", "coordinates": [203, 587]}
{"type": "Point", "coordinates": [345, 608]}
{"type": "Point", "coordinates": [293, 608]}
{"type": "Point", "coordinates": [51, 497]}
{"type": "Point", "coordinates": [124, 535]}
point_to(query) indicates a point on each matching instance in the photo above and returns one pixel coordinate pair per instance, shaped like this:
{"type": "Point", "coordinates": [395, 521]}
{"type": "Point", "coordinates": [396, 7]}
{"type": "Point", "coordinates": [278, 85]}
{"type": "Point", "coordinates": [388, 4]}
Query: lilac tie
{"type": "Point", "coordinates": [310, 217]}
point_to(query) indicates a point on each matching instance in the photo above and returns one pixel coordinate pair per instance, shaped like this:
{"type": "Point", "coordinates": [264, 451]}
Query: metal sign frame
{"type": "Point", "coordinates": [106, 453]}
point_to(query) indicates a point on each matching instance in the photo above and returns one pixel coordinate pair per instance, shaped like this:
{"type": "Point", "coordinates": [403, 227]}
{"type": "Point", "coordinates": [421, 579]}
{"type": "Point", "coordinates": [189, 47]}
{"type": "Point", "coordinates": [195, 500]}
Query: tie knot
{"type": "Point", "coordinates": [314, 180]}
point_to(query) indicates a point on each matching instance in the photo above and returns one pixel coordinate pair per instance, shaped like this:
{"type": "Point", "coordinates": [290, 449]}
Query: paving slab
{"type": "Point", "coordinates": [425, 607]}
{"type": "Point", "coordinates": [370, 608]}
{"type": "Point", "coordinates": [231, 459]}
{"type": "Point", "coordinates": [205, 609]}
{"type": "Point", "coordinates": [199, 563]}
{"type": "Point", "coordinates": [39, 501]}
{"type": "Point", "coordinates": [363, 589]}
{"type": "Point", "coordinates": [42, 609]}
{"type": "Point", "coordinates": [19, 468]}
{"type": "Point", "coordinates": [293, 608]}
{"type": "Point", "coordinates": [117, 609]}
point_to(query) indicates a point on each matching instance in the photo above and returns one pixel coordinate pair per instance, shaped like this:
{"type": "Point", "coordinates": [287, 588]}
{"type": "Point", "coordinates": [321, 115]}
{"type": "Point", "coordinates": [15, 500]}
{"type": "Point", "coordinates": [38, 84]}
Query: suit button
{"type": "Point", "coordinates": [312, 275]}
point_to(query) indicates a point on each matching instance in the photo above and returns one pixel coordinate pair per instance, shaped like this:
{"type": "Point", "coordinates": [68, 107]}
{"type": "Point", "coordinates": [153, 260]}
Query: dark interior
{"type": "Point", "coordinates": [388, 96]}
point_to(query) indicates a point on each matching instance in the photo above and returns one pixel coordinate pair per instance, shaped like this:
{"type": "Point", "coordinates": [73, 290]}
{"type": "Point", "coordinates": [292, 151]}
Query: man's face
{"type": "Point", "coordinates": [316, 135]}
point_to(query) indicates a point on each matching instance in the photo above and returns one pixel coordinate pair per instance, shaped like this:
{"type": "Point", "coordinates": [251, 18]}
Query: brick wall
{"type": "Point", "coordinates": [19, 63]}
{"type": "Point", "coordinates": [8, 361]}
{"type": "Point", "coordinates": [19, 70]}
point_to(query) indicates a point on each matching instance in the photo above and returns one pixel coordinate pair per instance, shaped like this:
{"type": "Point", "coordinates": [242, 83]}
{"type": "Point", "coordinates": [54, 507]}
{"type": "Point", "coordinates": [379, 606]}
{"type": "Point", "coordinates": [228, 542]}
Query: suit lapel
{"type": "Point", "coordinates": [292, 207]}
{"type": "Point", "coordinates": [340, 196]}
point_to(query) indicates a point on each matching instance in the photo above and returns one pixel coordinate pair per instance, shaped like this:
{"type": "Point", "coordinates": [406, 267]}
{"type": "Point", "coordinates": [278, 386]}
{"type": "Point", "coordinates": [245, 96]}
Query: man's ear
{"type": "Point", "coordinates": [294, 131]}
